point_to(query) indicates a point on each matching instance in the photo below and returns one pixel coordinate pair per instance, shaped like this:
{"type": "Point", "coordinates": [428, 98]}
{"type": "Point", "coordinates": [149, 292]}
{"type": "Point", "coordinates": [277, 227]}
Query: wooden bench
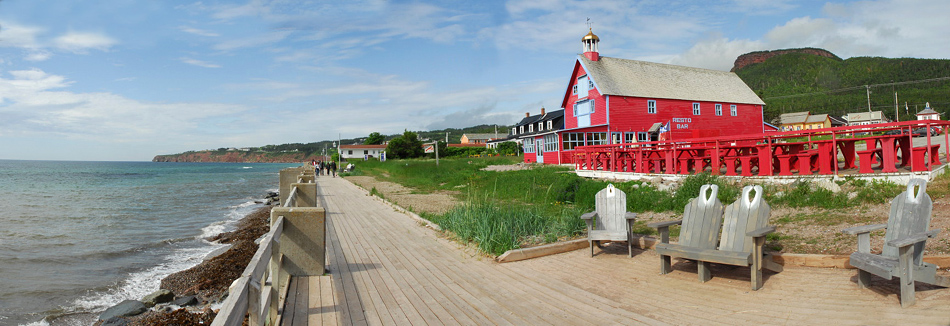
{"type": "Point", "coordinates": [866, 158]}
{"type": "Point", "coordinates": [610, 220]}
{"type": "Point", "coordinates": [743, 226]}
{"type": "Point", "coordinates": [903, 250]}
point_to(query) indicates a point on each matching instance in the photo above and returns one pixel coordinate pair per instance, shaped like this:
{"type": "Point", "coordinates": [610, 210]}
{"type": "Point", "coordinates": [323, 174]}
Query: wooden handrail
{"type": "Point", "coordinates": [250, 293]}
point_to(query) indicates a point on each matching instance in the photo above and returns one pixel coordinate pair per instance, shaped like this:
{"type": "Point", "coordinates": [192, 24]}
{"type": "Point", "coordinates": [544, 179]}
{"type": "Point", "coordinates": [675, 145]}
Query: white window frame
{"type": "Point", "coordinates": [530, 128]}
{"type": "Point", "coordinates": [643, 137]}
{"type": "Point", "coordinates": [718, 109]}
{"type": "Point", "coordinates": [550, 125]}
{"type": "Point", "coordinates": [575, 89]}
{"type": "Point", "coordinates": [696, 109]}
{"type": "Point", "coordinates": [522, 130]}
{"type": "Point", "coordinates": [514, 131]}
{"type": "Point", "coordinates": [651, 106]}
{"type": "Point", "coordinates": [733, 110]}
{"type": "Point", "coordinates": [584, 102]}
{"type": "Point", "coordinates": [540, 126]}
{"type": "Point", "coordinates": [582, 80]}
{"type": "Point", "coordinates": [529, 145]}
{"type": "Point", "coordinates": [550, 143]}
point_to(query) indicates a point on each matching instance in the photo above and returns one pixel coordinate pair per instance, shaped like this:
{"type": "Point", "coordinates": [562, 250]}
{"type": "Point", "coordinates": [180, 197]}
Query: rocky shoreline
{"type": "Point", "coordinates": [190, 297]}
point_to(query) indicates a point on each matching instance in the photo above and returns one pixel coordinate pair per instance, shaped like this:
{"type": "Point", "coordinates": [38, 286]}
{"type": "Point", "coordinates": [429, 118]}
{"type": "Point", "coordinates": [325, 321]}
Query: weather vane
{"type": "Point", "coordinates": [588, 24]}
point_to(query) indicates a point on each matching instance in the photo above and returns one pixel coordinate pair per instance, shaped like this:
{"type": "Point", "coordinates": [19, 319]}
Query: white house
{"type": "Point", "coordinates": [361, 151]}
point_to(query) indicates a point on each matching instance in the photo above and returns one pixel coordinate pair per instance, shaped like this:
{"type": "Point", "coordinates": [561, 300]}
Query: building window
{"type": "Point", "coordinates": [718, 109]}
{"type": "Point", "coordinates": [583, 108]}
{"type": "Point", "coordinates": [575, 89]}
{"type": "Point", "coordinates": [540, 126]}
{"type": "Point", "coordinates": [514, 131]}
{"type": "Point", "coordinates": [597, 138]}
{"type": "Point", "coordinates": [529, 145]}
{"type": "Point", "coordinates": [530, 128]}
{"type": "Point", "coordinates": [695, 108]}
{"type": "Point", "coordinates": [550, 125]}
{"type": "Point", "coordinates": [733, 111]}
{"type": "Point", "coordinates": [590, 83]}
{"type": "Point", "coordinates": [522, 130]}
{"type": "Point", "coordinates": [643, 137]}
{"type": "Point", "coordinates": [572, 139]}
{"type": "Point", "coordinates": [550, 143]}
{"type": "Point", "coordinates": [350, 152]}
{"type": "Point", "coordinates": [365, 152]}
{"type": "Point", "coordinates": [582, 86]}
{"type": "Point", "coordinates": [651, 106]}
{"type": "Point", "coordinates": [630, 137]}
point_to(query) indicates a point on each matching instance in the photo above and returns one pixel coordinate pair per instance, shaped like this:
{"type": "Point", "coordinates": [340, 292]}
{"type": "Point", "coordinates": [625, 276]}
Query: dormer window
{"type": "Point", "coordinates": [550, 125]}
{"type": "Point", "coordinates": [522, 130]}
{"type": "Point", "coordinates": [540, 126]}
{"type": "Point", "coordinates": [530, 128]}
{"type": "Point", "coordinates": [514, 131]}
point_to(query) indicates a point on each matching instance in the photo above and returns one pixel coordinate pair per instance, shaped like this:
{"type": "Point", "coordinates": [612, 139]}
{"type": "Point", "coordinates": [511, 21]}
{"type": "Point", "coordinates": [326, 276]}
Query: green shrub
{"type": "Point", "coordinates": [879, 192]}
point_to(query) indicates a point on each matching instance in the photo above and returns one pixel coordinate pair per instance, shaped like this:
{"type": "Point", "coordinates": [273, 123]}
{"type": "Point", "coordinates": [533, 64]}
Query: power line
{"type": "Point", "coordinates": [860, 87]}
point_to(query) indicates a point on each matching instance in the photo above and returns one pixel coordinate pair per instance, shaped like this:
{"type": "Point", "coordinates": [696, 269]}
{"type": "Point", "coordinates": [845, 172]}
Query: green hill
{"type": "Point", "coordinates": [795, 81]}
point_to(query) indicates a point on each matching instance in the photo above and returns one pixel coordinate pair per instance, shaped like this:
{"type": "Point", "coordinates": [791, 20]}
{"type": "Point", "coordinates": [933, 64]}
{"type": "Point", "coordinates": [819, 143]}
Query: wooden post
{"type": "Point", "coordinates": [907, 276]}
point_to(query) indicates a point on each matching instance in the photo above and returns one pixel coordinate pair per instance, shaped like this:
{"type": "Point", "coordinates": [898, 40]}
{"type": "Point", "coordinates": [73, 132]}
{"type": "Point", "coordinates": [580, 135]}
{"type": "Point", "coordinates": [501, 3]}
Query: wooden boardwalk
{"type": "Point", "coordinates": [387, 269]}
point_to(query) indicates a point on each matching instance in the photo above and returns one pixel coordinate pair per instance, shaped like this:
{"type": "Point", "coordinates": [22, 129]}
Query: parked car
{"type": "Point", "coordinates": [893, 132]}
{"type": "Point", "coordinates": [920, 132]}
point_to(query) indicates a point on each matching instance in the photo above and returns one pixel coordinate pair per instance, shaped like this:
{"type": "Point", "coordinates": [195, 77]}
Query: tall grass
{"type": "Point", "coordinates": [496, 229]}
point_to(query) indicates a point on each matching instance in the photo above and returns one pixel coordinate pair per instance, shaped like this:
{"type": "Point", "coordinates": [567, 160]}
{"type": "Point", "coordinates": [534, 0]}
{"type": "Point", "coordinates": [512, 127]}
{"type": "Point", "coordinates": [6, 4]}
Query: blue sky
{"type": "Point", "coordinates": [129, 79]}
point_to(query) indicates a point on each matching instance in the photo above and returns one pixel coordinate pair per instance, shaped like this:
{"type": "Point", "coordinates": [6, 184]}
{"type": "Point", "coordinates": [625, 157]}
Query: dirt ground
{"type": "Point", "coordinates": [799, 230]}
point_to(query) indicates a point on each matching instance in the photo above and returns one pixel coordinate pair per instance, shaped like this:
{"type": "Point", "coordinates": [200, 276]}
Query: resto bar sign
{"type": "Point", "coordinates": [682, 123]}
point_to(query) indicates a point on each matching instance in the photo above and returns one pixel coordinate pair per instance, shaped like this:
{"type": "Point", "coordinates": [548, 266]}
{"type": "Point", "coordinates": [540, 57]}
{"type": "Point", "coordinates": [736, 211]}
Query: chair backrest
{"type": "Point", "coordinates": [702, 219]}
{"type": "Point", "coordinates": [910, 213]}
{"type": "Point", "coordinates": [610, 205]}
{"type": "Point", "coordinates": [741, 217]}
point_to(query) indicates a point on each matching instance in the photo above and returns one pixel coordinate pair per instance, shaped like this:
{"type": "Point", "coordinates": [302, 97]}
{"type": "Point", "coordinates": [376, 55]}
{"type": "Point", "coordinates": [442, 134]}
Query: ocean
{"type": "Point", "coordinates": [79, 237]}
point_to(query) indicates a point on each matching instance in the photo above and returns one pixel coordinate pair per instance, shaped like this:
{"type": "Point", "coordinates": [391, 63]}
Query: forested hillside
{"type": "Point", "coordinates": [794, 82]}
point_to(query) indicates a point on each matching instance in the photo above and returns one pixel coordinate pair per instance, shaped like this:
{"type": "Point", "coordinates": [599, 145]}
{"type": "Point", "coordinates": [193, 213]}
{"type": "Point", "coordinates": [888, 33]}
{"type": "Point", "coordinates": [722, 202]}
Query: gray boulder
{"type": "Point", "coordinates": [124, 309]}
{"type": "Point", "coordinates": [160, 296]}
{"type": "Point", "coordinates": [186, 301]}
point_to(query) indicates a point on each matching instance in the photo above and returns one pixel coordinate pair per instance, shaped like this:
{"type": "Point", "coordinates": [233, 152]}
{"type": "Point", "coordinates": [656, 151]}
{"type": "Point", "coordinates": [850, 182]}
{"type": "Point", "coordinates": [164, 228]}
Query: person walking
{"type": "Point", "coordinates": [333, 168]}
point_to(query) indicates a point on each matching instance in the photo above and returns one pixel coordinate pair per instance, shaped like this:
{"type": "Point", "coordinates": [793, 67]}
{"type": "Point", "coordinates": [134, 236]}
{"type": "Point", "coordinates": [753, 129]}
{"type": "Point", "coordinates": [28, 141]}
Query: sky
{"type": "Point", "coordinates": [125, 80]}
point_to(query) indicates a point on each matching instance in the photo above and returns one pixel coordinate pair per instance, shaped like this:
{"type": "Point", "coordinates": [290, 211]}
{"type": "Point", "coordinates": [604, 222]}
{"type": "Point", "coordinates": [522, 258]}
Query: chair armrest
{"type": "Point", "coordinates": [913, 239]}
{"type": "Point", "coordinates": [630, 216]}
{"type": "Point", "coordinates": [658, 225]}
{"type": "Point", "coordinates": [588, 216]}
{"type": "Point", "coordinates": [864, 229]}
{"type": "Point", "coordinates": [761, 232]}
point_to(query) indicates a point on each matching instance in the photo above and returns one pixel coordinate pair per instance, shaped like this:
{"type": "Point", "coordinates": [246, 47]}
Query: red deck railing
{"type": "Point", "coordinates": [887, 148]}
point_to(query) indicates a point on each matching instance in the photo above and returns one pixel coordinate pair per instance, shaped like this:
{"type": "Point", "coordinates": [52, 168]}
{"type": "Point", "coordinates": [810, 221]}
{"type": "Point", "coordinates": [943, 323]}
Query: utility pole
{"type": "Point", "coordinates": [437, 152]}
{"type": "Point", "coordinates": [897, 112]}
{"type": "Point", "coordinates": [868, 87]}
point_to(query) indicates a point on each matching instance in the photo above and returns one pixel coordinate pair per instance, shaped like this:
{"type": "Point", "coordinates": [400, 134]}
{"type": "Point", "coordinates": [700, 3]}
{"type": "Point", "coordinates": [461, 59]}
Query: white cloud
{"type": "Point", "coordinates": [200, 32]}
{"type": "Point", "coordinates": [199, 63]}
{"type": "Point", "coordinates": [81, 42]}
{"type": "Point", "coordinates": [252, 41]}
{"type": "Point", "coordinates": [32, 105]}
{"type": "Point", "coordinates": [716, 53]}
{"type": "Point", "coordinates": [19, 36]}
{"type": "Point", "coordinates": [38, 55]}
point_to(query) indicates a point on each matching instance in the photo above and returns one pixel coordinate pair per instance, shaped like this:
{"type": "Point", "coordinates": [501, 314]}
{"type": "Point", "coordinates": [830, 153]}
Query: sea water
{"type": "Point", "coordinates": [79, 237]}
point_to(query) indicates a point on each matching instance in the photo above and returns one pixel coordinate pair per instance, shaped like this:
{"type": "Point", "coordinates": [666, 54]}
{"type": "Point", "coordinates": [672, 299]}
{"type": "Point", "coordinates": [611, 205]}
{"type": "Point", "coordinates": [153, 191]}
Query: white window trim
{"type": "Point", "coordinates": [530, 128]}
{"type": "Point", "coordinates": [550, 125]}
{"type": "Point", "coordinates": [651, 106]}
{"type": "Point", "coordinates": [718, 109]}
{"type": "Point", "coordinates": [540, 126]}
{"type": "Point", "coordinates": [696, 109]}
{"type": "Point", "coordinates": [733, 111]}
{"type": "Point", "coordinates": [522, 130]}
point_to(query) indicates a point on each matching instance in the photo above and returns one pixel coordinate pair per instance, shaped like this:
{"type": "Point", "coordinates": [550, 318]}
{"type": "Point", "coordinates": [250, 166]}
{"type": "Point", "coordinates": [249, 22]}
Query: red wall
{"type": "Point", "coordinates": [629, 114]}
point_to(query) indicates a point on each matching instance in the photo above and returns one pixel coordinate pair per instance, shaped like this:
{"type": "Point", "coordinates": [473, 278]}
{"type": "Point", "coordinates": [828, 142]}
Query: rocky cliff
{"type": "Point", "coordinates": [239, 157]}
{"type": "Point", "coordinates": [760, 56]}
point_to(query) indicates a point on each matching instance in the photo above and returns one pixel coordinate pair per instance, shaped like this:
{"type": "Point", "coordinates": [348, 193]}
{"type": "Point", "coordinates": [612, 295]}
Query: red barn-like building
{"type": "Point", "coordinates": [612, 101]}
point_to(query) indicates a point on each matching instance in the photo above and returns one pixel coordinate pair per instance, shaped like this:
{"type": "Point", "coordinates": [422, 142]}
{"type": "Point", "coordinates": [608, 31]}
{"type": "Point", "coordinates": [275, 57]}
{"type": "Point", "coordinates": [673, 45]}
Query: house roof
{"type": "Point", "coordinates": [363, 146]}
{"type": "Point", "coordinates": [795, 117]}
{"type": "Point", "coordinates": [928, 111]}
{"type": "Point", "coordinates": [483, 136]}
{"type": "Point", "coordinates": [613, 76]}
{"type": "Point", "coordinates": [816, 118]}
{"type": "Point", "coordinates": [541, 117]}
{"type": "Point", "coordinates": [864, 116]}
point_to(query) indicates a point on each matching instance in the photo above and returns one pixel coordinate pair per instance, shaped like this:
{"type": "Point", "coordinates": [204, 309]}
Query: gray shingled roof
{"type": "Point", "coordinates": [795, 117]}
{"type": "Point", "coordinates": [816, 118]}
{"type": "Point", "coordinates": [614, 76]}
{"type": "Point", "coordinates": [485, 136]}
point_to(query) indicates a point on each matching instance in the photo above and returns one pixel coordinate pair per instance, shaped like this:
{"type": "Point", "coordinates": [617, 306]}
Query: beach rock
{"type": "Point", "coordinates": [160, 296]}
{"type": "Point", "coordinates": [115, 321]}
{"type": "Point", "coordinates": [214, 253]}
{"type": "Point", "coordinates": [124, 309]}
{"type": "Point", "coordinates": [186, 301]}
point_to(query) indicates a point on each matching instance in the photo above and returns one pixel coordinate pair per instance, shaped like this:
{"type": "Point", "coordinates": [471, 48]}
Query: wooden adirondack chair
{"type": "Point", "coordinates": [744, 227]}
{"type": "Point", "coordinates": [902, 254]}
{"type": "Point", "coordinates": [610, 220]}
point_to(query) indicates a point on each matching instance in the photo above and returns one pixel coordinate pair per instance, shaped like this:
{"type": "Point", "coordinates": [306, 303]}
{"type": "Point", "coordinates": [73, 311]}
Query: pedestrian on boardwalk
{"type": "Point", "coordinates": [319, 167]}
{"type": "Point", "coordinates": [333, 168]}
